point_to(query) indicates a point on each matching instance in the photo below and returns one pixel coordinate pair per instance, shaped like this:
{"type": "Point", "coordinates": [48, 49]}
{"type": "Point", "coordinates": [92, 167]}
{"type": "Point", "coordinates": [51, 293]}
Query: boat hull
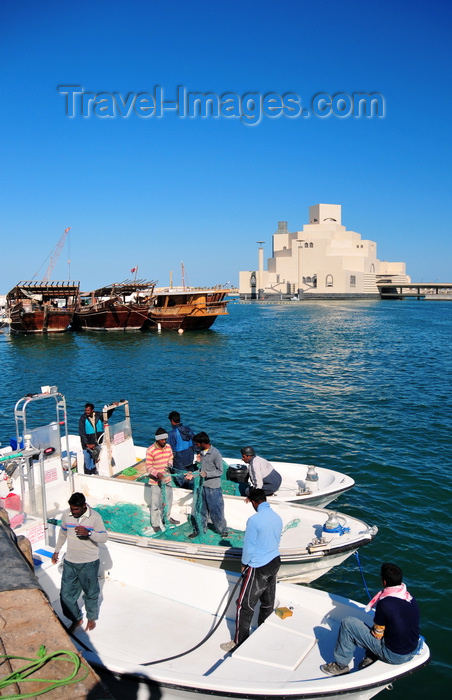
{"type": "Point", "coordinates": [43, 320]}
{"type": "Point", "coordinates": [176, 321]}
{"type": "Point", "coordinates": [114, 317]}
{"type": "Point", "coordinates": [296, 488]}
{"type": "Point", "coordinates": [301, 561]}
{"type": "Point", "coordinates": [295, 567]}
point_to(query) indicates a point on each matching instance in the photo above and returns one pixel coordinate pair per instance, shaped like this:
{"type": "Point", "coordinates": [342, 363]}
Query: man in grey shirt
{"type": "Point", "coordinates": [211, 469]}
{"type": "Point", "coordinates": [83, 530]}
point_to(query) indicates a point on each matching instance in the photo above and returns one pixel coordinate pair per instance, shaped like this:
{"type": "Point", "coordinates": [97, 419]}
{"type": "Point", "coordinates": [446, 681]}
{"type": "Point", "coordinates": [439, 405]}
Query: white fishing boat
{"type": "Point", "coordinates": [305, 484]}
{"type": "Point", "coordinates": [301, 483]}
{"type": "Point", "coordinates": [162, 622]}
{"type": "Point", "coordinates": [313, 540]}
{"type": "Point", "coordinates": [40, 481]}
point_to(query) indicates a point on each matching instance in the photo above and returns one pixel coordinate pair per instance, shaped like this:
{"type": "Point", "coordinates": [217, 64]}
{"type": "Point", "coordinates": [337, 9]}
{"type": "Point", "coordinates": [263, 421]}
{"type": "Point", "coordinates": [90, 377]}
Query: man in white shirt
{"type": "Point", "coordinates": [83, 530]}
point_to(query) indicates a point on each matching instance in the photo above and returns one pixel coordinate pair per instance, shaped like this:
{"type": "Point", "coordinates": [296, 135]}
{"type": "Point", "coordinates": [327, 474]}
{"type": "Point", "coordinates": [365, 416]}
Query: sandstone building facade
{"type": "Point", "coordinates": [324, 260]}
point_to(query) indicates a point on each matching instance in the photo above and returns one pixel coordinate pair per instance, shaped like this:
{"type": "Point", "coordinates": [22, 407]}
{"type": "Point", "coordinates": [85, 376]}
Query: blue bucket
{"type": "Point", "coordinates": [13, 443]}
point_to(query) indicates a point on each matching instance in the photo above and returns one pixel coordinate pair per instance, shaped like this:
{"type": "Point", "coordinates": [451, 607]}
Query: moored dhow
{"type": "Point", "coordinates": [42, 306]}
{"type": "Point", "coordinates": [187, 309]}
{"type": "Point", "coordinates": [121, 306]}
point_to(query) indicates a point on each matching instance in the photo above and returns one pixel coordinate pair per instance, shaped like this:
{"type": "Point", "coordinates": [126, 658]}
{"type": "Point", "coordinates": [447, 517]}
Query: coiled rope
{"type": "Point", "coordinates": [33, 665]}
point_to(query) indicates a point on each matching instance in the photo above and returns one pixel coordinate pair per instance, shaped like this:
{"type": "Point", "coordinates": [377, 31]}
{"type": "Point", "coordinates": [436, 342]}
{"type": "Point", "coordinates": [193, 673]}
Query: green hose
{"type": "Point", "coordinates": [20, 676]}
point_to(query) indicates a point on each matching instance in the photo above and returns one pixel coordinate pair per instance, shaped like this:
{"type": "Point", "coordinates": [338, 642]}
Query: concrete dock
{"type": "Point", "coordinates": [27, 623]}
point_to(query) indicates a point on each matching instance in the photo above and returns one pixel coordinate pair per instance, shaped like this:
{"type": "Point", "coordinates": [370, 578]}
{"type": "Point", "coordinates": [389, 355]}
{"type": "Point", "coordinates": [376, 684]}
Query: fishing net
{"type": "Point", "coordinates": [130, 519]}
{"type": "Point", "coordinates": [134, 520]}
{"type": "Point", "coordinates": [120, 520]}
{"type": "Point", "coordinates": [291, 524]}
{"type": "Point", "coordinates": [229, 488]}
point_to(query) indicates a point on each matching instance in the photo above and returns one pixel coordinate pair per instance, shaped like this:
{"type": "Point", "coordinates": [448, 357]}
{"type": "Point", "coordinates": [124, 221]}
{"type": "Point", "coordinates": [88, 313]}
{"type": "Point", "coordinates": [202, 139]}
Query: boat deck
{"type": "Point", "coordinates": [171, 627]}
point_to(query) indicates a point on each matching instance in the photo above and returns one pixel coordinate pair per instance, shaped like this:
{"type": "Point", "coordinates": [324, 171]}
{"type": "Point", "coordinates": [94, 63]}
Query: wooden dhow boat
{"type": "Point", "coordinates": [42, 306]}
{"type": "Point", "coordinates": [186, 309]}
{"type": "Point", "coordinates": [122, 306]}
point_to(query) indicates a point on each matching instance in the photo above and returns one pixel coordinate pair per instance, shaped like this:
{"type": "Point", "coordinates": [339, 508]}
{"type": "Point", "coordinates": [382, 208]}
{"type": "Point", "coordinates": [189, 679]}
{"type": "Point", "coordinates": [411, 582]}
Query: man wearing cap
{"type": "Point", "coordinates": [159, 458]}
{"type": "Point", "coordinates": [261, 472]}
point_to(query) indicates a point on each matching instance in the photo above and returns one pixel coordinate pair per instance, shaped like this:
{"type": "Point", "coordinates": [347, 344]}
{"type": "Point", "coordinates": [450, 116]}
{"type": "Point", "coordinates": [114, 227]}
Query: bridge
{"type": "Point", "coordinates": [419, 290]}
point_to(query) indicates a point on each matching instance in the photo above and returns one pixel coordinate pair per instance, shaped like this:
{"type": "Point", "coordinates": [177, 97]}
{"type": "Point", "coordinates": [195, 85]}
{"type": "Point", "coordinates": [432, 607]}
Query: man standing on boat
{"type": "Point", "coordinates": [180, 439]}
{"type": "Point", "coordinates": [159, 458]}
{"type": "Point", "coordinates": [83, 530]}
{"type": "Point", "coordinates": [394, 636]}
{"type": "Point", "coordinates": [91, 430]}
{"type": "Point", "coordinates": [260, 565]}
{"type": "Point", "coordinates": [211, 470]}
{"type": "Point", "coordinates": [261, 472]}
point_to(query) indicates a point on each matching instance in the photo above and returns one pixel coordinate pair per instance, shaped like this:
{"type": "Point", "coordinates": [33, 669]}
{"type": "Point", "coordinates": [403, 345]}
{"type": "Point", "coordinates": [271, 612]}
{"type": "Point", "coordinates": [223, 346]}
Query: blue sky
{"type": "Point", "coordinates": [158, 191]}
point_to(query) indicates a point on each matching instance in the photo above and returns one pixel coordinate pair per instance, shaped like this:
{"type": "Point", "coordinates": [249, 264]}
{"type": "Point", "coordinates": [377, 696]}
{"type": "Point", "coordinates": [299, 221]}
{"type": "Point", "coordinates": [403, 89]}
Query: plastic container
{"type": "Point", "coordinates": [11, 502]}
{"type": "Point", "coordinates": [237, 473]}
{"type": "Point", "coordinates": [13, 443]}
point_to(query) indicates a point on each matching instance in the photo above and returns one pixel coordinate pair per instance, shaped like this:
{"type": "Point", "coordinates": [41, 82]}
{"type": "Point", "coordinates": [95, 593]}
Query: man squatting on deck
{"type": "Point", "coordinates": [394, 637]}
{"type": "Point", "coordinates": [83, 529]}
{"type": "Point", "coordinates": [159, 458]}
{"type": "Point", "coordinates": [260, 565]}
{"type": "Point", "coordinates": [262, 475]}
{"type": "Point", "coordinates": [91, 430]}
{"type": "Point", "coordinates": [211, 469]}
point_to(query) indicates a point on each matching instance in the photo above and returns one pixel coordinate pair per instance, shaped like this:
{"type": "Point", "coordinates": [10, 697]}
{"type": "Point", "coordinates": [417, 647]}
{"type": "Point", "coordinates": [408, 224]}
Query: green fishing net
{"type": "Point", "coordinates": [230, 488]}
{"type": "Point", "coordinates": [135, 520]}
{"type": "Point", "coordinates": [119, 518]}
{"type": "Point", "coordinates": [130, 519]}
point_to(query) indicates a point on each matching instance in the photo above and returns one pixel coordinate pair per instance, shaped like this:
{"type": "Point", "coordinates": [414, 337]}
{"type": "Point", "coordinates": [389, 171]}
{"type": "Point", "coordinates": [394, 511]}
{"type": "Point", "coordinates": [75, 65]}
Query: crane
{"type": "Point", "coordinates": [56, 254]}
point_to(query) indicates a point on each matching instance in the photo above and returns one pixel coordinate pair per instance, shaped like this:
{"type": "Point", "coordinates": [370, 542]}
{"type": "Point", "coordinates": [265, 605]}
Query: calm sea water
{"type": "Point", "coordinates": [362, 387]}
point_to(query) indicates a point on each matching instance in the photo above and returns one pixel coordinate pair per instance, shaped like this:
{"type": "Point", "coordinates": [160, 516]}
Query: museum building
{"type": "Point", "coordinates": [323, 261]}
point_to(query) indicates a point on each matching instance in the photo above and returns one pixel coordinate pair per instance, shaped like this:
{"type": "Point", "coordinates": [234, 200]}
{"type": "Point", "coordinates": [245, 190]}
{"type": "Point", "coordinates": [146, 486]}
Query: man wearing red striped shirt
{"type": "Point", "coordinates": [159, 458]}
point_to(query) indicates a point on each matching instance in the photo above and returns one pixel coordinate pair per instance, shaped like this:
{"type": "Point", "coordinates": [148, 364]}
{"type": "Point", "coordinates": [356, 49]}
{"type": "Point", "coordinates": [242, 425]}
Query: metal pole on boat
{"type": "Point", "coordinates": [61, 403]}
{"type": "Point", "coordinates": [107, 438]}
{"type": "Point", "coordinates": [43, 497]}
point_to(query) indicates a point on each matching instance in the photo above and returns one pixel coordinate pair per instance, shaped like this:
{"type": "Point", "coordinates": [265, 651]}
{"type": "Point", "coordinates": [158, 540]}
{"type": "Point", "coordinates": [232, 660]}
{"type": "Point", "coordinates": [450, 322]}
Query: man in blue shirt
{"type": "Point", "coordinates": [180, 439]}
{"type": "Point", "coordinates": [260, 565]}
{"type": "Point", "coordinates": [394, 636]}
